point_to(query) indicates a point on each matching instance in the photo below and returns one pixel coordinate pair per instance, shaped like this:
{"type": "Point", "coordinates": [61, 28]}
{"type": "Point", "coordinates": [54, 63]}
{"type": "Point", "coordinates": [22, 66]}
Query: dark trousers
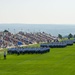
{"type": "Point", "coordinates": [4, 56]}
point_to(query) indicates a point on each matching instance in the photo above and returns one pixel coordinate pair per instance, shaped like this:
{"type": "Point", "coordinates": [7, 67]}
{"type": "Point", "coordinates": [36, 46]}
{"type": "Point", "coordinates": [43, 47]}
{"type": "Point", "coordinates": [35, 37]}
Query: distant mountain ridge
{"type": "Point", "coordinates": [53, 29]}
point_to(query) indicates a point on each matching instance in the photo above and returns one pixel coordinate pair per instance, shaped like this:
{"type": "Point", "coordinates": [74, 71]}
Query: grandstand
{"type": "Point", "coordinates": [10, 39]}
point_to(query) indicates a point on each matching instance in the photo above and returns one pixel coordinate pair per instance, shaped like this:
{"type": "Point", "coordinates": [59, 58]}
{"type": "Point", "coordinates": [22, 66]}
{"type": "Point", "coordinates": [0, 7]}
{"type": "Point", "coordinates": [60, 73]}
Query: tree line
{"type": "Point", "coordinates": [69, 36]}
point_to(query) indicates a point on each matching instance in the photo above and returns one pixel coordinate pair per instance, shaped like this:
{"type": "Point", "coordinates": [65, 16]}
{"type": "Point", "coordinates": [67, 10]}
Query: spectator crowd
{"type": "Point", "coordinates": [8, 39]}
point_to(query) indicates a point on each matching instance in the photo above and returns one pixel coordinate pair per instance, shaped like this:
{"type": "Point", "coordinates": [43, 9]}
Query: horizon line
{"type": "Point", "coordinates": [39, 23]}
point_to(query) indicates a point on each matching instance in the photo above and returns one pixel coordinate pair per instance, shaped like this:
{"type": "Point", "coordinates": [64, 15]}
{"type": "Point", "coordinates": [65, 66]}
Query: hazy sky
{"type": "Point", "coordinates": [37, 11]}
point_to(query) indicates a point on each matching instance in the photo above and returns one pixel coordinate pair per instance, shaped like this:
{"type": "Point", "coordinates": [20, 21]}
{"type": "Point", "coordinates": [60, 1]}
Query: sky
{"type": "Point", "coordinates": [37, 11]}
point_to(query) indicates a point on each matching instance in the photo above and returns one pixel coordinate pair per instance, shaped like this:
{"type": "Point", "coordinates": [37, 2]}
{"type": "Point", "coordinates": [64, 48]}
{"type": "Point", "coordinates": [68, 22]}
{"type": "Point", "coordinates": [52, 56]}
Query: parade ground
{"type": "Point", "coordinates": [59, 61]}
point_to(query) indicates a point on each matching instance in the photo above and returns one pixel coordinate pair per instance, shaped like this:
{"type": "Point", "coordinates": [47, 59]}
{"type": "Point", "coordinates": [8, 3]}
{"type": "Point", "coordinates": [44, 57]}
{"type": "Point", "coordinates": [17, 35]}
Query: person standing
{"type": "Point", "coordinates": [4, 54]}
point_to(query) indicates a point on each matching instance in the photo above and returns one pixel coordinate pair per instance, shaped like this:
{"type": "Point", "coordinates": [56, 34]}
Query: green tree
{"type": "Point", "coordinates": [70, 36]}
{"type": "Point", "coordinates": [74, 36]}
{"type": "Point", "coordinates": [60, 36]}
{"type": "Point", "coordinates": [6, 31]}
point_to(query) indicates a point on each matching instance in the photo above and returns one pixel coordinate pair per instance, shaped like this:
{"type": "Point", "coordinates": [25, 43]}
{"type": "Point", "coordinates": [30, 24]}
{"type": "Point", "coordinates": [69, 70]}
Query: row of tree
{"type": "Point", "coordinates": [69, 36]}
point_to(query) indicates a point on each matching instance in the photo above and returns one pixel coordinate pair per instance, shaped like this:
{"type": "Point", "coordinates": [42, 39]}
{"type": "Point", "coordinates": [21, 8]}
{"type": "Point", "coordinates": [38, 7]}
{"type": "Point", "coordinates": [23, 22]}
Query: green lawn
{"type": "Point", "coordinates": [59, 61]}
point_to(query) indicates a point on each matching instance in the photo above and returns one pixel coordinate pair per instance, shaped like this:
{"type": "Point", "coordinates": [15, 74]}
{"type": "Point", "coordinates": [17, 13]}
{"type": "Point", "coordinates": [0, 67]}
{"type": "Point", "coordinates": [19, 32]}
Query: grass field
{"type": "Point", "coordinates": [59, 61]}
